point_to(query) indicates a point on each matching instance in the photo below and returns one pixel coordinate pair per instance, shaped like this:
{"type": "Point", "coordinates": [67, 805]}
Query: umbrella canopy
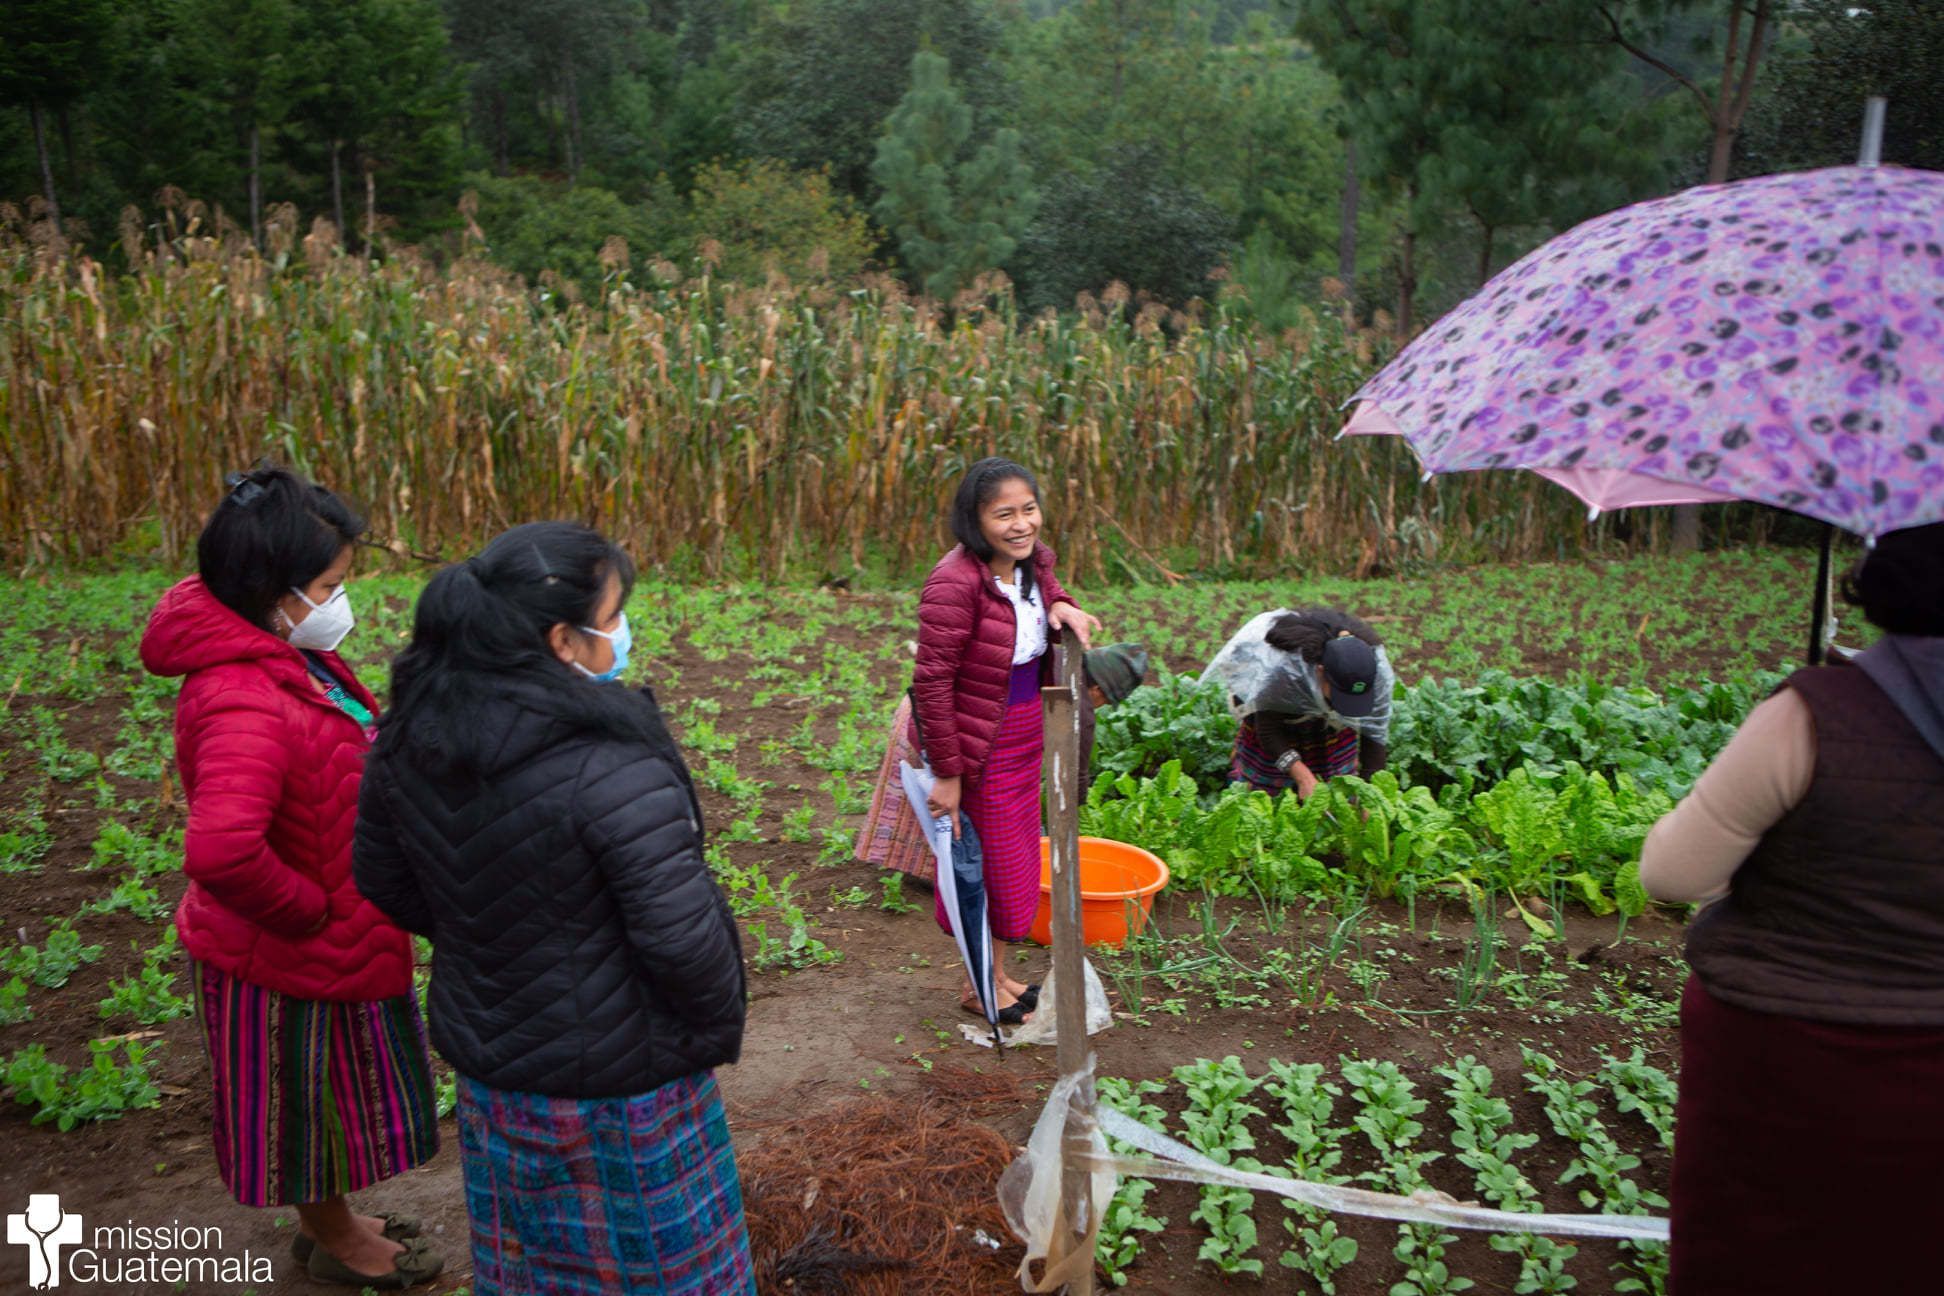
{"type": "Point", "coordinates": [1779, 340]}
{"type": "Point", "coordinates": [961, 889]}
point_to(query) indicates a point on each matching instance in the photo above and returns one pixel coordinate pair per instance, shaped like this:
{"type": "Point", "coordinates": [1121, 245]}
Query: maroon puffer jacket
{"type": "Point", "coordinates": [270, 768]}
{"type": "Point", "coordinates": [966, 632]}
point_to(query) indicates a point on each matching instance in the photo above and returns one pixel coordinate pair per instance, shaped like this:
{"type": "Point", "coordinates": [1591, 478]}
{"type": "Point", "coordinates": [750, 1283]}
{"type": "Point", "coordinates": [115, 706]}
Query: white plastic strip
{"type": "Point", "coordinates": [1178, 1161]}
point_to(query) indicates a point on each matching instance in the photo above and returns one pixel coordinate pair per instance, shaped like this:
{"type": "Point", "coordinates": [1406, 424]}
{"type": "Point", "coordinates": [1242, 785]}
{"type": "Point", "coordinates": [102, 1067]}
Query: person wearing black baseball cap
{"type": "Point", "coordinates": [1312, 690]}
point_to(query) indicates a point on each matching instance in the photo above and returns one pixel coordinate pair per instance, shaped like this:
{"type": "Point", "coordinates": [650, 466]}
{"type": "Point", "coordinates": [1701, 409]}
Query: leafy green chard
{"type": "Point", "coordinates": [1486, 1143]}
{"type": "Point", "coordinates": [1174, 719]}
{"type": "Point", "coordinates": [1216, 1123]}
{"type": "Point", "coordinates": [1601, 1168]}
{"type": "Point", "coordinates": [1126, 1220]}
{"type": "Point", "coordinates": [1643, 1090]}
{"type": "Point", "coordinates": [1308, 1105]}
{"type": "Point", "coordinates": [1388, 1118]}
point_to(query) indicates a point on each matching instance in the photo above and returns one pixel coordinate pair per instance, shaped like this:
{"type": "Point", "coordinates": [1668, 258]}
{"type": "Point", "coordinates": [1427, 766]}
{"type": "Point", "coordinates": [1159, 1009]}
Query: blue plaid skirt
{"type": "Point", "coordinates": [587, 1197]}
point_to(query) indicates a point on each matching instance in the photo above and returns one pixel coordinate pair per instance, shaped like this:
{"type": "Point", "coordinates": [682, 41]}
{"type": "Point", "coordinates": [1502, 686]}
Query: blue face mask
{"type": "Point", "coordinates": [622, 640]}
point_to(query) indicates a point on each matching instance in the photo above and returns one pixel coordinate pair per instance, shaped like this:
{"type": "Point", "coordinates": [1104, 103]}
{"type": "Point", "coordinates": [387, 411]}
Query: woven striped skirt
{"type": "Point", "coordinates": [1004, 807]}
{"type": "Point", "coordinates": [891, 836]}
{"type": "Point", "coordinates": [1328, 752]}
{"type": "Point", "coordinates": [313, 1099]}
{"type": "Point", "coordinates": [589, 1197]}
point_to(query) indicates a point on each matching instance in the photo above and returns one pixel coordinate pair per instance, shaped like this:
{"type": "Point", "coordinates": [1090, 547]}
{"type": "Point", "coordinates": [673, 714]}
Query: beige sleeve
{"type": "Point", "coordinates": [1761, 775]}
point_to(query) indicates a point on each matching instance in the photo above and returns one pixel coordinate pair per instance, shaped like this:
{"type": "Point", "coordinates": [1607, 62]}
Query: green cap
{"type": "Point", "coordinates": [1117, 669]}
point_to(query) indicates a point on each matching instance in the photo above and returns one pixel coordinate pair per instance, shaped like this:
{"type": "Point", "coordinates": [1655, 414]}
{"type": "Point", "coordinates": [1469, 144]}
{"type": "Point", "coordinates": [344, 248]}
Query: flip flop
{"type": "Point", "coordinates": [397, 1227]}
{"type": "Point", "coordinates": [1031, 998]}
{"type": "Point", "coordinates": [417, 1263]}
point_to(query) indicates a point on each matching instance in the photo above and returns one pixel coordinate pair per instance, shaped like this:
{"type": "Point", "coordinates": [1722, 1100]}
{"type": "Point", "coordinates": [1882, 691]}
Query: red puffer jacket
{"type": "Point", "coordinates": [270, 768]}
{"type": "Point", "coordinates": [966, 632]}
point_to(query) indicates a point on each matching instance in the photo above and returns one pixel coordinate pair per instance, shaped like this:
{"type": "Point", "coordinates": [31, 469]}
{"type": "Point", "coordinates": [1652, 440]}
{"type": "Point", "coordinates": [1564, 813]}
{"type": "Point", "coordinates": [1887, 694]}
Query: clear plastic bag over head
{"type": "Point", "coordinates": [1258, 677]}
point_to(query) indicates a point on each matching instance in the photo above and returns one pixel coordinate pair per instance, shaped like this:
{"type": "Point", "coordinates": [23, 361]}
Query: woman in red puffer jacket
{"type": "Point", "coordinates": [303, 988]}
{"type": "Point", "coordinates": [983, 622]}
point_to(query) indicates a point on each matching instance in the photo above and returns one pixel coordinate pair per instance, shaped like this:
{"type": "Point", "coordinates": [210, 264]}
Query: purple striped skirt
{"type": "Point", "coordinates": [1003, 804]}
{"type": "Point", "coordinates": [1328, 753]}
{"type": "Point", "coordinates": [313, 1098]}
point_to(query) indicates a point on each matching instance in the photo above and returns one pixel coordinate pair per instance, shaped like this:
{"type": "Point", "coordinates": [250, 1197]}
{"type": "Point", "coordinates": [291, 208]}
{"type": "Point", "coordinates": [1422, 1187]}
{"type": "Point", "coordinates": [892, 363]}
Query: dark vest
{"type": "Point", "coordinates": [1838, 915]}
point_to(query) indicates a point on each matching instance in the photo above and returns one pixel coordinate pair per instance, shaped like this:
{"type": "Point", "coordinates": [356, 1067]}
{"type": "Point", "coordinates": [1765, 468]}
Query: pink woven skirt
{"type": "Point", "coordinates": [1004, 807]}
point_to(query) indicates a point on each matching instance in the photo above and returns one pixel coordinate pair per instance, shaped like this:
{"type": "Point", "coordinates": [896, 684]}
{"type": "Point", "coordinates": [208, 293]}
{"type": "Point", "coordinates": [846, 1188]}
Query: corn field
{"type": "Point", "coordinates": [733, 430]}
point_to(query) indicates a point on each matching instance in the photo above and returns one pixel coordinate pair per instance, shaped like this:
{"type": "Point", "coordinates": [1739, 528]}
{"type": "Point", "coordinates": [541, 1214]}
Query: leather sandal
{"type": "Point", "coordinates": [417, 1263]}
{"type": "Point", "coordinates": [397, 1228]}
{"type": "Point", "coordinates": [1030, 999]}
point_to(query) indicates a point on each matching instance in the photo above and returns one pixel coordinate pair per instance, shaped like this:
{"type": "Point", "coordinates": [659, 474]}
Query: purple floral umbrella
{"type": "Point", "coordinates": [1779, 340]}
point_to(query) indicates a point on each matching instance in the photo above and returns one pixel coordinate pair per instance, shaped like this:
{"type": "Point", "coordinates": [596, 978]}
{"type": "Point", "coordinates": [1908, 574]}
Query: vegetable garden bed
{"type": "Point", "coordinates": [1460, 930]}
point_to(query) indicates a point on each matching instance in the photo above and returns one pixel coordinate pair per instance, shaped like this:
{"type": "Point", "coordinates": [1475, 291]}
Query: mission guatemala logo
{"type": "Point", "coordinates": [59, 1245]}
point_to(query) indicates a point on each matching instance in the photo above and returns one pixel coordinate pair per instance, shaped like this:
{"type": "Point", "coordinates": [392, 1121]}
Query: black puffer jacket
{"type": "Point", "coordinates": [580, 947]}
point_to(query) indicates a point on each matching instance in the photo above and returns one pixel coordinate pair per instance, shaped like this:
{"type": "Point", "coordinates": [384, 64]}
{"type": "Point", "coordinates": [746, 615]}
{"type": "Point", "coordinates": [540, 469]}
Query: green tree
{"type": "Point", "coordinates": [1123, 223]}
{"type": "Point", "coordinates": [764, 216]}
{"type": "Point", "coordinates": [49, 56]}
{"type": "Point", "coordinates": [380, 93]}
{"type": "Point", "coordinates": [237, 68]}
{"type": "Point", "coordinates": [818, 79]}
{"type": "Point", "coordinates": [1110, 75]}
{"type": "Point", "coordinates": [536, 67]}
{"type": "Point", "coordinates": [954, 213]}
{"type": "Point", "coordinates": [1475, 106]}
{"type": "Point", "coordinates": [534, 226]}
{"type": "Point", "coordinates": [1808, 112]}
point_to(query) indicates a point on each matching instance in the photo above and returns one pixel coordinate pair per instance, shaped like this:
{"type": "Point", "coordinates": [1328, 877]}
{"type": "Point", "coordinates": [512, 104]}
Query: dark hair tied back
{"type": "Point", "coordinates": [1306, 631]}
{"type": "Point", "coordinates": [273, 532]}
{"type": "Point", "coordinates": [1900, 582]}
{"type": "Point", "coordinates": [482, 626]}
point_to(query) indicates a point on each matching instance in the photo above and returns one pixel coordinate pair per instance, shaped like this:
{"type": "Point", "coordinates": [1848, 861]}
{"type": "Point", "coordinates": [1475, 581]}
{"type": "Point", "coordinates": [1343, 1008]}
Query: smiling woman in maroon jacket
{"type": "Point", "coordinates": [982, 633]}
{"type": "Point", "coordinates": [303, 988]}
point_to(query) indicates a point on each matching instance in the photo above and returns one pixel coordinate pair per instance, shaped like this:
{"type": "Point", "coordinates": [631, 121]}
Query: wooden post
{"type": "Point", "coordinates": [1063, 781]}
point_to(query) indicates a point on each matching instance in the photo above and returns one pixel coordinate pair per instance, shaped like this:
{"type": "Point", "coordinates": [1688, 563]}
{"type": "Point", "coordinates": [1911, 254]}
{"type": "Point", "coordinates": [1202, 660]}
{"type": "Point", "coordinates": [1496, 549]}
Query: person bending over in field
{"type": "Point", "coordinates": [1812, 1028]}
{"type": "Point", "coordinates": [983, 625]}
{"type": "Point", "coordinates": [531, 815]}
{"type": "Point", "coordinates": [303, 987]}
{"type": "Point", "coordinates": [1312, 690]}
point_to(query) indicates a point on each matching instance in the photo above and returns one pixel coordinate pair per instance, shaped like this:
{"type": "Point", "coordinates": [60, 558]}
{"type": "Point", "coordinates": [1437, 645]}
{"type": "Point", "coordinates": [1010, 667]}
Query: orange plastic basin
{"type": "Point", "coordinates": [1117, 886]}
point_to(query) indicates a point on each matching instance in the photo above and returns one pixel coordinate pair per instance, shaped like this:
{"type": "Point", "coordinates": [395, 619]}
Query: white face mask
{"type": "Point", "coordinates": [324, 629]}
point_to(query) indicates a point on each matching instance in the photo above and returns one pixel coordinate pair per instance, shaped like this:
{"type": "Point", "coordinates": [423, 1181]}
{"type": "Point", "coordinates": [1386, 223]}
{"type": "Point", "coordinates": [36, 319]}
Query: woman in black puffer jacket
{"type": "Point", "coordinates": [532, 816]}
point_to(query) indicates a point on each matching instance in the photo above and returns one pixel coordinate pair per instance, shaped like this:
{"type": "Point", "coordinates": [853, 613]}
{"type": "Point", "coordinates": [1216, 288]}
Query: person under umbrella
{"type": "Point", "coordinates": [1312, 691]}
{"type": "Point", "coordinates": [1812, 1026]}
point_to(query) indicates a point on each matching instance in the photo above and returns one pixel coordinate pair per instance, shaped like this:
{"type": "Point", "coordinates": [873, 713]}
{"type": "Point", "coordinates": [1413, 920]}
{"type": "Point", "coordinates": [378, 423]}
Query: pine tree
{"type": "Point", "coordinates": [49, 55]}
{"type": "Point", "coordinates": [953, 215]}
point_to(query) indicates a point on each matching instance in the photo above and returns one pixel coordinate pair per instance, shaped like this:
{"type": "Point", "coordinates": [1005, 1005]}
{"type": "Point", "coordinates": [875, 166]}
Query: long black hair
{"type": "Point", "coordinates": [1306, 631]}
{"type": "Point", "coordinates": [273, 532]}
{"type": "Point", "coordinates": [481, 628]}
{"type": "Point", "coordinates": [976, 490]}
{"type": "Point", "coordinates": [1900, 582]}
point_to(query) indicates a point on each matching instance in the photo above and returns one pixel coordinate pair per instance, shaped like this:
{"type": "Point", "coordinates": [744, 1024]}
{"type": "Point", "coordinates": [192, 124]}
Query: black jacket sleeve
{"type": "Point", "coordinates": [638, 822]}
{"type": "Point", "coordinates": [379, 868]}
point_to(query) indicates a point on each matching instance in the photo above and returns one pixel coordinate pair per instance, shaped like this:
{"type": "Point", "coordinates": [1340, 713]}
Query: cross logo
{"type": "Point", "coordinates": [44, 1228]}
